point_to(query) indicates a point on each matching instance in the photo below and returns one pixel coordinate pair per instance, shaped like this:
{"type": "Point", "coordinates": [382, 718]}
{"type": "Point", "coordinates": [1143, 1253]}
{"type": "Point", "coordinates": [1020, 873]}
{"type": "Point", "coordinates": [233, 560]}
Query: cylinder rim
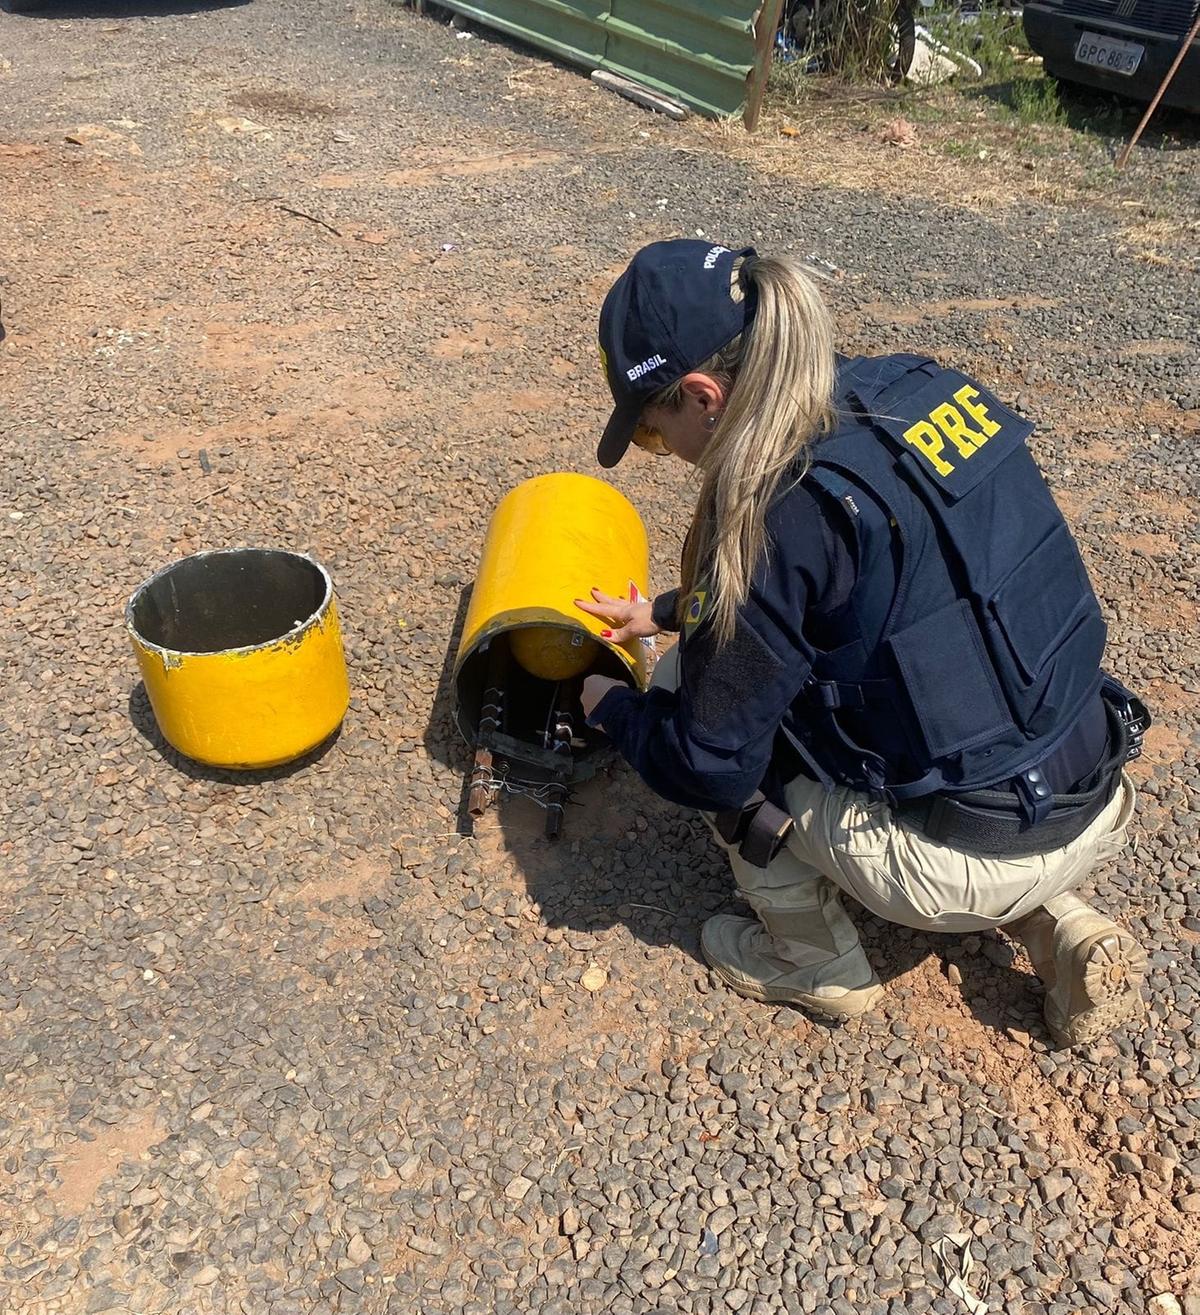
{"type": "Point", "coordinates": [148, 644]}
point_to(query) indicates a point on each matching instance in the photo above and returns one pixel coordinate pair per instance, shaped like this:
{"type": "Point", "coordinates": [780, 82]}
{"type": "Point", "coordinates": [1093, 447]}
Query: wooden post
{"type": "Point", "coordinates": [765, 27]}
{"type": "Point", "coordinates": [1123, 158]}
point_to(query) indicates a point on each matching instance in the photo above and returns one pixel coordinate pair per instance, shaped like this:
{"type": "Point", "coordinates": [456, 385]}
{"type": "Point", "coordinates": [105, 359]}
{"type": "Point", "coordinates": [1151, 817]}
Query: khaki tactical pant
{"type": "Point", "coordinates": [903, 876]}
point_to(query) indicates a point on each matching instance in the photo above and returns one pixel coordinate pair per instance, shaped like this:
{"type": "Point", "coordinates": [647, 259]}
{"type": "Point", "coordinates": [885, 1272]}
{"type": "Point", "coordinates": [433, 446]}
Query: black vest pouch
{"type": "Point", "coordinates": [1037, 631]}
{"type": "Point", "coordinates": [950, 683]}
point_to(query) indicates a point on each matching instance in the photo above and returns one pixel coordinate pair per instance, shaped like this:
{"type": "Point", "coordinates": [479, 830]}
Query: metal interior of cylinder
{"type": "Point", "coordinates": [223, 600]}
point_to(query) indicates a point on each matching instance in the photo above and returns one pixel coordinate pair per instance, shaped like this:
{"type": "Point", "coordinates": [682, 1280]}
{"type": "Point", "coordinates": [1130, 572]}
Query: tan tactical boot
{"type": "Point", "coordinates": [805, 950]}
{"type": "Point", "coordinates": [1092, 969]}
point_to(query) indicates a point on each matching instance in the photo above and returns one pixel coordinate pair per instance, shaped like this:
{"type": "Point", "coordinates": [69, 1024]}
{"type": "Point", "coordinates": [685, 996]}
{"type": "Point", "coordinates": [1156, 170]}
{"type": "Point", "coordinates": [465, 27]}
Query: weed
{"type": "Point", "coordinates": [1012, 78]}
{"type": "Point", "coordinates": [994, 38]}
{"type": "Point", "coordinates": [856, 40]}
{"type": "Point", "coordinates": [1099, 176]}
{"type": "Point", "coordinates": [789, 82]}
{"type": "Point", "coordinates": [1034, 102]}
{"type": "Point", "coordinates": [1036, 148]}
{"type": "Point", "coordinates": [963, 150]}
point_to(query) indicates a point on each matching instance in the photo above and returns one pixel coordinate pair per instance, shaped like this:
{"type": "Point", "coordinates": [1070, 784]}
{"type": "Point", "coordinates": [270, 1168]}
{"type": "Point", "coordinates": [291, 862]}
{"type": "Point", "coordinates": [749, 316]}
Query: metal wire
{"type": "Point", "coordinates": [496, 783]}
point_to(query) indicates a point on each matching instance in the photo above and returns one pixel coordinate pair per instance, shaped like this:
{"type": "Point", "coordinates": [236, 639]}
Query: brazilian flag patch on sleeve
{"type": "Point", "coordinates": [696, 607]}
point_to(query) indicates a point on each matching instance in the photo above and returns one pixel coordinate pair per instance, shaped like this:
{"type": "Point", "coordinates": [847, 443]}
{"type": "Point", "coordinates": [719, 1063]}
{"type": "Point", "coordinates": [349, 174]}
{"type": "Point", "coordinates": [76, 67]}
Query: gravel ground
{"type": "Point", "coordinates": [288, 1044]}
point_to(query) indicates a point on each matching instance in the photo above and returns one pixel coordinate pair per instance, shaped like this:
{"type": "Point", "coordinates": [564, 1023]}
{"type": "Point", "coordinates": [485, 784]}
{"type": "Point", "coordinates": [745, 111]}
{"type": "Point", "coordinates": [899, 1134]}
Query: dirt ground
{"type": "Point", "coordinates": [325, 276]}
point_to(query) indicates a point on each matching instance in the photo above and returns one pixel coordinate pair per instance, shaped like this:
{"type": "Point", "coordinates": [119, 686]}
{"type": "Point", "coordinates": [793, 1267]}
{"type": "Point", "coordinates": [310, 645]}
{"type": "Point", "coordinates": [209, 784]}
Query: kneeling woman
{"type": "Point", "coordinates": [886, 629]}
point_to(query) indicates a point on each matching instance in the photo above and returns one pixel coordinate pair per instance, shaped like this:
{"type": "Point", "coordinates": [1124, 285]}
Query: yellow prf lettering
{"type": "Point", "coordinates": [965, 398]}
{"type": "Point", "coordinates": [951, 421]}
{"type": "Point", "coordinates": [929, 442]}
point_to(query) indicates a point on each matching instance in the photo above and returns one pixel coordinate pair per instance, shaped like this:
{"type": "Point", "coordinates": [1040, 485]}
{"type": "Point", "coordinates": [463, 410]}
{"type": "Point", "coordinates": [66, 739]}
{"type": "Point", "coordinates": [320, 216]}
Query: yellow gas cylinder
{"type": "Point", "coordinates": [241, 654]}
{"type": "Point", "coordinates": [550, 540]}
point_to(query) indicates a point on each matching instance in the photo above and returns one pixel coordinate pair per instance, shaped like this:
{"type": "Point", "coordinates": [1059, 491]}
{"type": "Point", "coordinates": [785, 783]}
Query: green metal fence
{"type": "Point", "coordinates": [710, 54]}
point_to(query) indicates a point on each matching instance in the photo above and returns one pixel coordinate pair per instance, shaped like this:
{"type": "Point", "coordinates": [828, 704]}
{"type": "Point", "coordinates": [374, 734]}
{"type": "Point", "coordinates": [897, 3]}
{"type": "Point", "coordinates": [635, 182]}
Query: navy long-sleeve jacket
{"type": "Point", "coordinates": [709, 744]}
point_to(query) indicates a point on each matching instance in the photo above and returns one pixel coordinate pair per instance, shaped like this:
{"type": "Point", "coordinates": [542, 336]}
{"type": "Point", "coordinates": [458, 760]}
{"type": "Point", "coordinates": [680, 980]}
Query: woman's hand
{"type": "Point", "coordinates": [629, 620]}
{"type": "Point", "coordinates": [594, 689]}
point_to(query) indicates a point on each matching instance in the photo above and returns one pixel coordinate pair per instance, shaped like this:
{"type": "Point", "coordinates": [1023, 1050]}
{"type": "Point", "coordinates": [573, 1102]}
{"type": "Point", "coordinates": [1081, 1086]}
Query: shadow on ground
{"type": "Point", "coordinates": [442, 739]}
{"type": "Point", "coordinates": [141, 715]}
{"type": "Point", "coordinates": [628, 858]}
{"type": "Point", "coordinates": [1092, 112]}
{"type": "Point", "coordinates": [113, 9]}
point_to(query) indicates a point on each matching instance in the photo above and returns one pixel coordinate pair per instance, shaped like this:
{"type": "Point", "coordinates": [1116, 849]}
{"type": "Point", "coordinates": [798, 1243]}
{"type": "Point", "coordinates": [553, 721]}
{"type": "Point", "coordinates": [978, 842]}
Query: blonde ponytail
{"type": "Point", "coordinates": [779, 376]}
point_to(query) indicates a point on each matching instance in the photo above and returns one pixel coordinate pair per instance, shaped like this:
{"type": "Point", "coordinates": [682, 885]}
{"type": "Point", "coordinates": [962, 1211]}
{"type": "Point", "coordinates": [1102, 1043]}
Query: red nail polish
{"type": "Point", "coordinates": [606, 634]}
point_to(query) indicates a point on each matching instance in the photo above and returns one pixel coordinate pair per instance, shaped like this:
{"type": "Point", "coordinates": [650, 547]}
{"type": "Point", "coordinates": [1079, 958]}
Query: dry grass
{"type": "Point", "coordinates": [1012, 135]}
{"type": "Point", "coordinates": [968, 145]}
{"type": "Point", "coordinates": [848, 144]}
{"type": "Point", "coordinates": [1164, 241]}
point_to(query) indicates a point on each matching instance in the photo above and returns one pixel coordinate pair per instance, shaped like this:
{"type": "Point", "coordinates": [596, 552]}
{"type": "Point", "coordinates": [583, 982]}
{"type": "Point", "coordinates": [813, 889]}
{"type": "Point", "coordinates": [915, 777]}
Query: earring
{"type": "Point", "coordinates": [711, 421]}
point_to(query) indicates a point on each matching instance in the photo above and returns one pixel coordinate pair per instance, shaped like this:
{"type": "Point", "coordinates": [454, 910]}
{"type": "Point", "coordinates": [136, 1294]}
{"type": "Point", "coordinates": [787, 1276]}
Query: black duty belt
{"type": "Point", "coordinates": [993, 822]}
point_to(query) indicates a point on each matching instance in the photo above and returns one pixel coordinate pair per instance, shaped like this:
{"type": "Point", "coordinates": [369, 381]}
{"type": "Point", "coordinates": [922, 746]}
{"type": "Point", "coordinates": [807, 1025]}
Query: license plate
{"type": "Point", "coordinates": [1109, 53]}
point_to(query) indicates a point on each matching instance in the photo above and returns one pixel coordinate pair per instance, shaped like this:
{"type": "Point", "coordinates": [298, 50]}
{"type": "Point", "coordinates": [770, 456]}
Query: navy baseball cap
{"type": "Point", "coordinates": [676, 305]}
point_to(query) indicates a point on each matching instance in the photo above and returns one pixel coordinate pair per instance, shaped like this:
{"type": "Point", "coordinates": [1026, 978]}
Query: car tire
{"type": "Point", "coordinates": [904, 34]}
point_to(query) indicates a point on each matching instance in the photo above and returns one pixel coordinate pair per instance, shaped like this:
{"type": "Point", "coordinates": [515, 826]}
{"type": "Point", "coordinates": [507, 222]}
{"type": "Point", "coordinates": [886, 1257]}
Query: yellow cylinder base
{"type": "Point", "coordinates": [244, 706]}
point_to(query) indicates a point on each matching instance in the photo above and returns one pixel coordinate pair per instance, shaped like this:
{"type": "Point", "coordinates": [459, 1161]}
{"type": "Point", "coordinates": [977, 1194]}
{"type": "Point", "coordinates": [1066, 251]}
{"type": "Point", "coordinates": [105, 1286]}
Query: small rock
{"type": "Point", "coordinates": [1102, 1292]}
{"type": "Point", "coordinates": [236, 126]}
{"type": "Point", "coordinates": [1159, 1164]}
{"type": "Point", "coordinates": [406, 1170]}
{"type": "Point", "coordinates": [518, 1188]}
{"type": "Point", "coordinates": [720, 1219]}
{"type": "Point", "coordinates": [427, 1246]}
{"type": "Point", "coordinates": [357, 1250]}
{"type": "Point", "coordinates": [593, 979]}
{"type": "Point", "coordinates": [1053, 1185]}
{"type": "Point", "coordinates": [125, 1223]}
{"type": "Point", "coordinates": [1164, 1304]}
{"type": "Point", "coordinates": [209, 1274]}
{"type": "Point", "coordinates": [97, 134]}
{"type": "Point", "coordinates": [351, 1279]}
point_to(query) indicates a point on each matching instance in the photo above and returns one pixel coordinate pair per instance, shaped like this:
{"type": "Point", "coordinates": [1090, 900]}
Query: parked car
{"type": "Point", "coordinates": [1124, 46]}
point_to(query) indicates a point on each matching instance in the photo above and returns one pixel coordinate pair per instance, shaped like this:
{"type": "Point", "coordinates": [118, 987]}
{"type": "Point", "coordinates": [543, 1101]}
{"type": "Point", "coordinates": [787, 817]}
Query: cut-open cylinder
{"type": "Point", "coordinates": [241, 654]}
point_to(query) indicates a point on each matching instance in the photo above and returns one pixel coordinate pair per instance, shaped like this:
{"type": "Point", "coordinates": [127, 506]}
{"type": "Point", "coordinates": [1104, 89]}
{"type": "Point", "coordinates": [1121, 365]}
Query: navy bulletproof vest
{"type": "Point", "coordinates": [971, 642]}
